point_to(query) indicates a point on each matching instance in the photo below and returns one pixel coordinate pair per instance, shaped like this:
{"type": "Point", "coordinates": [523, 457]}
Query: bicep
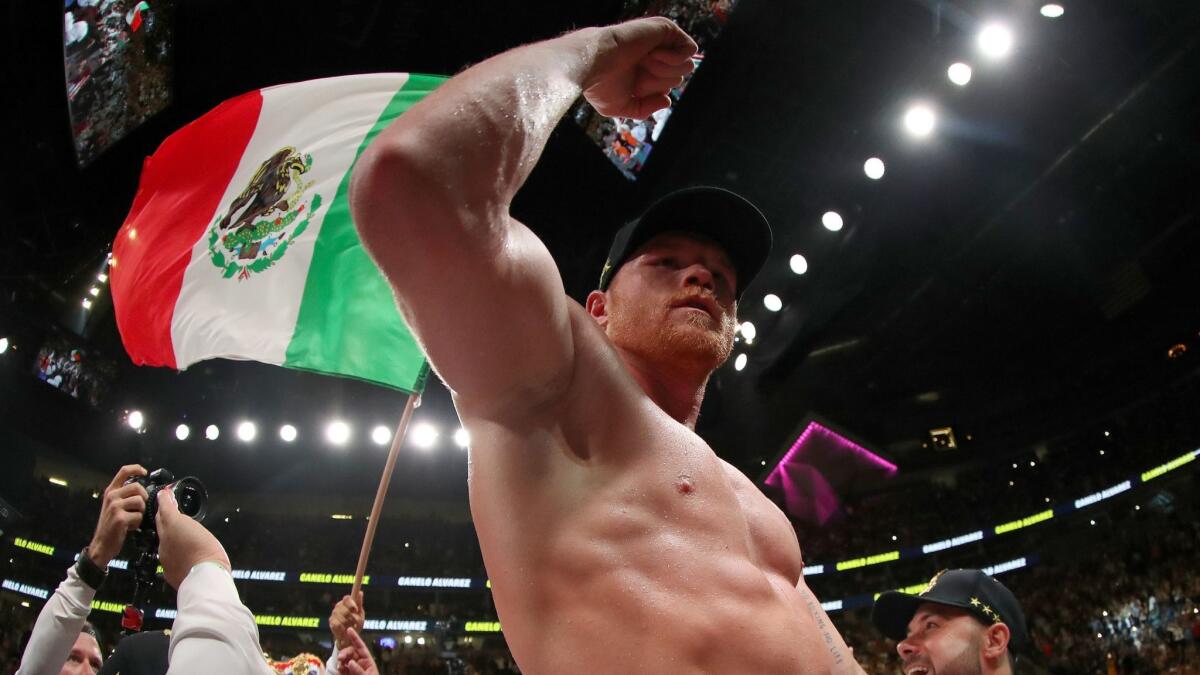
{"type": "Point", "coordinates": [479, 290]}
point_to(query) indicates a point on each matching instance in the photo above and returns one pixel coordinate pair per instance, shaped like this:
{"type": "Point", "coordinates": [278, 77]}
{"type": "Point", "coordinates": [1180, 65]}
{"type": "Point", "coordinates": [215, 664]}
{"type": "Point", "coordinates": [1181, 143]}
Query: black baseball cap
{"type": "Point", "coordinates": [982, 596]}
{"type": "Point", "coordinates": [139, 654]}
{"type": "Point", "coordinates": [727, 218]}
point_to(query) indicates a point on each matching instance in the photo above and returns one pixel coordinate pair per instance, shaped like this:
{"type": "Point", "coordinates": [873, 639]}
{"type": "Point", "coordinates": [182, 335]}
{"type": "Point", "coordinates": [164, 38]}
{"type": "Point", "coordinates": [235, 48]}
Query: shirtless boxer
{"type": "Point", "coordinates": [616, 540]}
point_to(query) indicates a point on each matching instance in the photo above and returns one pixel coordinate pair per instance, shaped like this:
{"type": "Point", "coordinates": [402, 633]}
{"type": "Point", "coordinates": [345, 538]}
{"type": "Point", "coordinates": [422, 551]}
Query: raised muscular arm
{"type": "Point", "coordinates": [431, 196]}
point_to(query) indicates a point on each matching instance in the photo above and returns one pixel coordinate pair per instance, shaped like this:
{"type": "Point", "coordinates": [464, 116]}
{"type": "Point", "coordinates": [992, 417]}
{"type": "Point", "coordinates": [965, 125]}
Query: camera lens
{"type": "Point", "coordinates": [192, 498]}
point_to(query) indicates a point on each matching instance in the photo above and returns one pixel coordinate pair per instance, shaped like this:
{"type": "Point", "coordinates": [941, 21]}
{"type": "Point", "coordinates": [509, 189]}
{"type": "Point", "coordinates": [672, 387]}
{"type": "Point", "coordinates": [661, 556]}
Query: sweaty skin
{"type": "Point", "coordinates": [616, 540]}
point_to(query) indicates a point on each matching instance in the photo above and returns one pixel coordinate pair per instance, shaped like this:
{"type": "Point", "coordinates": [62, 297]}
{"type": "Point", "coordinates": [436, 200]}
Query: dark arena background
{"type": "Point", "coordinates": [978, 349]}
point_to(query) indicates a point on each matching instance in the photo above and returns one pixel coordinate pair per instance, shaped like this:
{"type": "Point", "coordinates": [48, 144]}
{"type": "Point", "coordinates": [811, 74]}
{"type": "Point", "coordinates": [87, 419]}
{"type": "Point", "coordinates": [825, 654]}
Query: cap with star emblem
{"type": "Point", "coordinates": [726, 217]}
{"type": "Point", "coordinates": [982, 596]}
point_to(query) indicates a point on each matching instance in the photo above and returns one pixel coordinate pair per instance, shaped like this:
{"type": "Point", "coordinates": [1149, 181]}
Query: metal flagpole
{"type": "Point", "coordinates": [414, 400]}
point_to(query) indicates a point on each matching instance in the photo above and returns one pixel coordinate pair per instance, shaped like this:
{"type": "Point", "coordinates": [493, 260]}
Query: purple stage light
{"type": "Point", "coordinates": [819, 466]}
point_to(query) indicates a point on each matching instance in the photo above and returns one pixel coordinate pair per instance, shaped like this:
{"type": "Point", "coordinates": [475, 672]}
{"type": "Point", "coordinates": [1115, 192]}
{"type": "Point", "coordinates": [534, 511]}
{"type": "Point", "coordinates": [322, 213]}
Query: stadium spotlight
{"type": "Point", "coordinates": [182, 432]}
{"type": "Point", "coordinates": [338, 432]}
{"type": "Point", "coordinates": [102, 277]}
{"type": "Point", "coordinates": [408, 639]}
{"type": "Point", "coordinates": [461, 438]}
{"type": "Point", "coordinates": [1052, 10]}
{"type": "Point", "coordinates": [421, 640]}
{"type": "Point", "coordinates": [381, 435]}
{"type": "Point", "coordinates": [799, 264]}
{"type": "Point", "coordinates": [246, 431]}
{"type": "Point", "coordinates": [287, 432]}
{"type": "Point", "coordinates": [748, 331]}
{"type": "Point", "coordinates": [874, 168]}
{"type": "Point", "coordinates": [87, 303]}
{"type": "Point", "coordinates": [740, 362]}
{"type": "Point", "coordinates": [3, 344]}
{"type": "Point", "coordinates": [58, 481]}
{"type": "Point", "coordinates": [93, 291]}
{"type": "Point", "coordinates": [772, 302]}
{"type": "Point", "coordinates": [959, 73]}
{"type": "Point", "coordinates": [995, 40]}
{"type": "Point", "coordinates": [424, 435]}
{"type": "Point", "coordinates": [832, 220]}
{"type": "Point", "coordinates": [211, 432]}
{"type": "Point", "coordinates": [135, 419]}
{"type": "Point", "coordinates": [919, 121]}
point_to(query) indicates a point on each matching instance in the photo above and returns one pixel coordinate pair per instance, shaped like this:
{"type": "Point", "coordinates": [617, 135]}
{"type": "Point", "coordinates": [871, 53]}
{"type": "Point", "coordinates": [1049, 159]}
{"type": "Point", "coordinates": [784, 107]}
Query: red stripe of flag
{"type": "Point", "coordinates": [180, 188]}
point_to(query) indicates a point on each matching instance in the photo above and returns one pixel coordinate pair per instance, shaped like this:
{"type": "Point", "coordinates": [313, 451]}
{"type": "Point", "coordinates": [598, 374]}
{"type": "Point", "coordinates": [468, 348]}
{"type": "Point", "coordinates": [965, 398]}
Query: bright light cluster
{"type": "Point", "coordinates": [338, 432]}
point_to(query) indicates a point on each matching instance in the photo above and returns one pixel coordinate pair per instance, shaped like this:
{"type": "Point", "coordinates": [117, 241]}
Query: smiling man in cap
{"type": "Point", "coordinates": [963, 622]}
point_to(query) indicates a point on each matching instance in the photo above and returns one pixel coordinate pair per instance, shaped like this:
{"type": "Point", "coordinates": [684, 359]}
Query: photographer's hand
{"type": "Point", "coordinates": [120, 512]}
{"type": "Point", "coordinates": [182, 542]}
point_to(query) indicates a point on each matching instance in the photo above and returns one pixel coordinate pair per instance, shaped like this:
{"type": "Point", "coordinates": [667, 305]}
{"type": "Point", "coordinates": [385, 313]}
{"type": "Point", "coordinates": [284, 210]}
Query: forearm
{"type": "Point", "coordinates": [57, 626]}
{"type": "Point", "coordinates": [477, 137]}
{"type": "Point", "coordinates": [213, 631]}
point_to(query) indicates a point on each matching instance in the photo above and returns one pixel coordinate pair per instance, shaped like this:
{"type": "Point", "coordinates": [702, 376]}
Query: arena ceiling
{"type": "Point", "coordinates": [1017, 276]}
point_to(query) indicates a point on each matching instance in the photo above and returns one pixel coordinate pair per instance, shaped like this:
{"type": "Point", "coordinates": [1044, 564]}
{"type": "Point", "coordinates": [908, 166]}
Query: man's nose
{"type": "Point", "coordinates": [906, 648]}
{"type": "Point", "coordinates": [699, 275]}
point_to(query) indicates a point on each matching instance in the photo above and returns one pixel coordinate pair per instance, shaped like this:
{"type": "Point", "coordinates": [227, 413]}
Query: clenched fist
{"type": "Point", "coordinates": [637, 63]}
{"type": "Point", "coordinates": [346, 614]}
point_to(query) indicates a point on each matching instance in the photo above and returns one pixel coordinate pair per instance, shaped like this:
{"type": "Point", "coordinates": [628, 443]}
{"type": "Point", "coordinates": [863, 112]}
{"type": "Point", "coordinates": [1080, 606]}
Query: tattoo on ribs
{"type": "Point", "coordinates": [815, 609]}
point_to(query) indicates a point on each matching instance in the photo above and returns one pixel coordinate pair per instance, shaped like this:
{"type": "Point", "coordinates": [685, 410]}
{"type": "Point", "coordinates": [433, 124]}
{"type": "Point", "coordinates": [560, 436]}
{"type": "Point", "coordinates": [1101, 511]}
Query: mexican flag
{"type": "Point", "coordinates": [239, 244]}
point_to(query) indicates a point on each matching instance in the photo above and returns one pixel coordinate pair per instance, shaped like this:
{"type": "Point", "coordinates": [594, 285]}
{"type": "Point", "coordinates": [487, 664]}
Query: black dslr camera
{"type": "Point", "coordinates": [193, 501]}
{"type": "Point", "coordinates": [189, 494]}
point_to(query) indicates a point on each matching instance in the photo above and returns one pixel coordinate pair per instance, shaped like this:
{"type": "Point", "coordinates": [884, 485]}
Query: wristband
{"type": "Point", "coordinates": [89, 572]}
{"type": "Point", "coordinates": [214, 563]}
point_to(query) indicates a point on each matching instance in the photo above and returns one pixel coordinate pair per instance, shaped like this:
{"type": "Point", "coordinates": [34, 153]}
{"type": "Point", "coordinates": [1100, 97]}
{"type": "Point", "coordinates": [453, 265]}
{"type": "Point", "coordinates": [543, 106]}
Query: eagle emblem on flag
{"type": "Point", "coordinates": [266, 217]}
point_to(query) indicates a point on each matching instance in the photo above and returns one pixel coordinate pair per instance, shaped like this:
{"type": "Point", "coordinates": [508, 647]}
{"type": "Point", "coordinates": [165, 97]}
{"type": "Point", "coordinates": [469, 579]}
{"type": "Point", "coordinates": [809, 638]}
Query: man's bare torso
{"type": "Point", "coordinates": [618, 542]}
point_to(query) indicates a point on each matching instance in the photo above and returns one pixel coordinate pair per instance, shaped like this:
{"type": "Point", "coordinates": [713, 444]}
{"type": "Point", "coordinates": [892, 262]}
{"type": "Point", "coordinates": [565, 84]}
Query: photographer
{"type": "Point", "coordinates": [213, 630]}
{"type": "Point", "coordinates": [62, 641]}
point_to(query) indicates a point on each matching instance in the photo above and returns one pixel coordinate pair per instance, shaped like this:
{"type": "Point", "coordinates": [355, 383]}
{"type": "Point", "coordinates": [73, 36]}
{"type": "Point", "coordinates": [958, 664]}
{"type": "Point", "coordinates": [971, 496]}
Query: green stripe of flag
{"type": "Point", "coordinates": [348, 323]}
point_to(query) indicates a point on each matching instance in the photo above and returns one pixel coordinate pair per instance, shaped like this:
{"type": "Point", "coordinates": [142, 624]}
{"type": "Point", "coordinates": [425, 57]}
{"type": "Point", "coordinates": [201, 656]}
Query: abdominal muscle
{"type": "Point", "coordinates": [657, 566]}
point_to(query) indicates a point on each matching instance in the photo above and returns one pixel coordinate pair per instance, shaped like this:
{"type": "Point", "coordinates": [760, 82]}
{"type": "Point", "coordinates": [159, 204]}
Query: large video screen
{"type": "Point", "coordinates": [117, 56]}
{"type": "Point", "coordinates": [627, 142]}
{"type": "Point", "coordinates": [69, 366]}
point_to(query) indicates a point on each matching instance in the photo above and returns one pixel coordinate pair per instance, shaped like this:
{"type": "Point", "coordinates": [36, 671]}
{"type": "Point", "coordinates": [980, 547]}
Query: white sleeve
{"type": "Point", "coordinates": [331, 666]}
{"type": "Point", "coordinates": [57, 627]}
{"type": "Point", "coordinates": [213, 631]}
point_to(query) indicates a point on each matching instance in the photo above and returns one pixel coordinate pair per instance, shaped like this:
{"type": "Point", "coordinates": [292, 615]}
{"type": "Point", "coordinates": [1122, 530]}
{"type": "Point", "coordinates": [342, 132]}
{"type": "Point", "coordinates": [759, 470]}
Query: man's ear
{"type": "Point", "coordinates": [995, 642]}
{"type": "Point", "coordinates": [597, 306]}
